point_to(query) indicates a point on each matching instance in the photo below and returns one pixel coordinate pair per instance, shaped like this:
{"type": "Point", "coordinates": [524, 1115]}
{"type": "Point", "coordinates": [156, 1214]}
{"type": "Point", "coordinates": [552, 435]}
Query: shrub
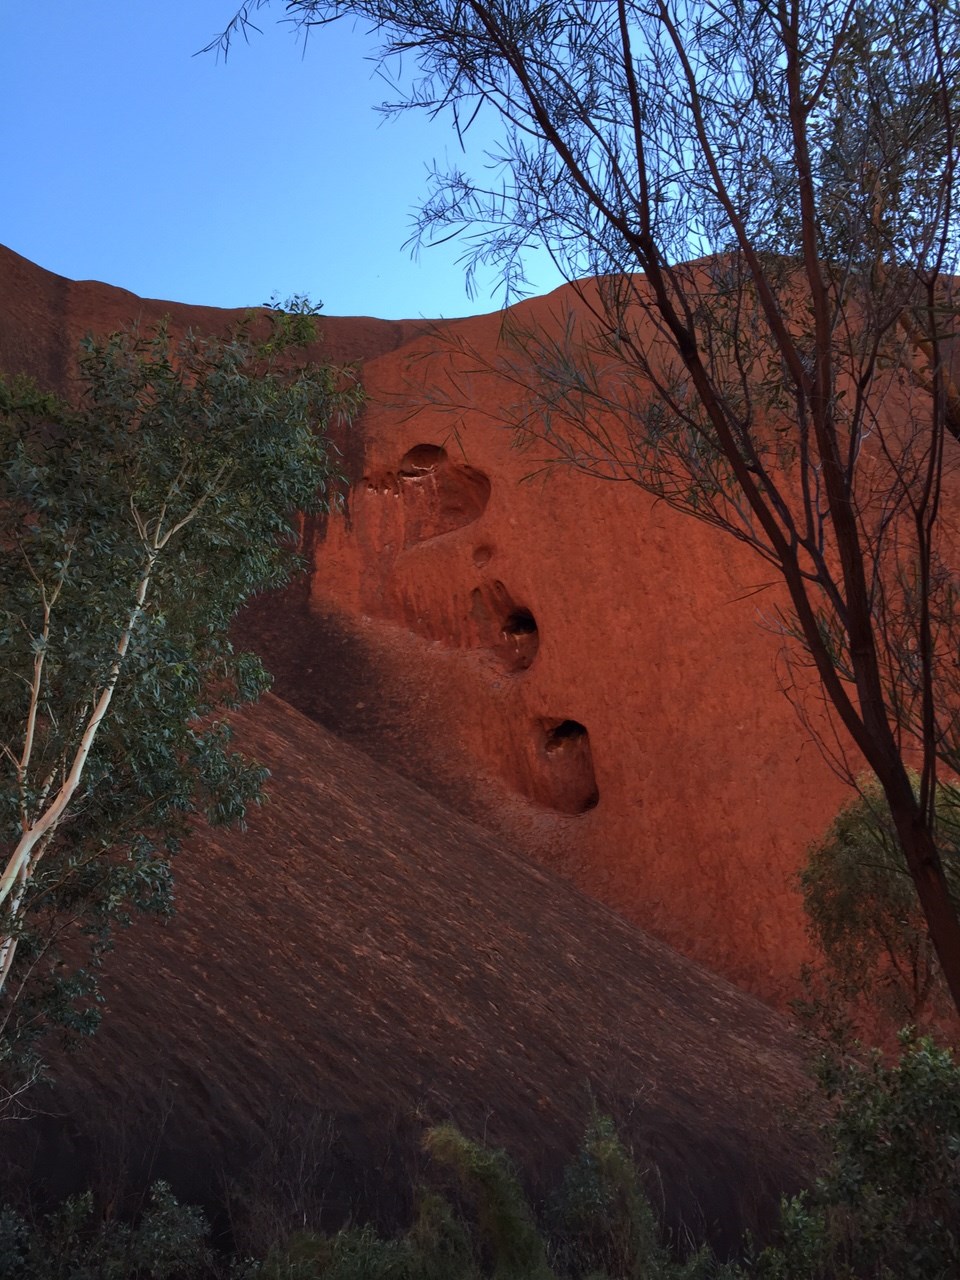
{"type": "Point", "coordinates": [604, 1221]}
{"type": "Point", "coordinates": [440, 1245]}
{"type": "Point", "coordinates": [506, 1225]}
{"type": "Point", "coordinates": [863, 914]}
{"type": "Point", "coordinates": [169, 1240]}
{"type": "Point", "coordinates": [888, 1204]}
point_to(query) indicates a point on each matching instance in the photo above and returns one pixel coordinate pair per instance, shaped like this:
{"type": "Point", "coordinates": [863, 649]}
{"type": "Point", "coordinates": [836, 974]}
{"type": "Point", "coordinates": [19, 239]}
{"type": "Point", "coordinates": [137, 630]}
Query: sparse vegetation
{"type": "Point", "coordinates": [604, 1223]}
{"type": "Point", "coordinates": [886, 1207]}
{"type": "Point", "coordinates": [478, 1227]}
{"type": "Point", "coordinates": [167, 1242]}
{"type": "Point", "coordinates": [505, 1223]}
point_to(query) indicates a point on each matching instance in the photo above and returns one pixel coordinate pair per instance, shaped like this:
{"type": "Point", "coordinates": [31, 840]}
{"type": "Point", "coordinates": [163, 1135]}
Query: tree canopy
{"type": "Point", "coordinates": [133, 525]}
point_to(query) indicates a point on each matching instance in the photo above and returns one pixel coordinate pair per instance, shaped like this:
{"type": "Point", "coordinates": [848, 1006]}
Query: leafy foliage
{"type": "Point", "coordinates": [437, 1247]}
{"type": "Point", "coordinates": [863, 913]}
{"type": "Point", "coordinates": [506, 1225]}
{"type": "Point", "coordinates": [441, 1243]}
{"type": "Point", "coordinates": [169, 1242]}
{"type": "Point", "coordinates": [602, 1226]}
{"type": "Point", "coordinates": [297, 304]}
{"type": "Point", "coordinates": [604, 1222]}
{"type": "Point", "coordinates": [132, 527]}
{"type": "Point", "coordinates": [888, 1205]}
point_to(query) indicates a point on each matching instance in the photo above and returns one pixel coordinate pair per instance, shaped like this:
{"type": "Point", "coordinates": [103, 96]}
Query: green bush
{"type": "Point", "coordinates": [168, 1242]}
{"type": "Point", "coordinates": [357, 1253]}
{"type": "Point", "coordinates": [506, 1225]}
{"type": "Point", "coordinates": [436, 1248]}
{"type": "Point", "coordinates": [863, 914]}
{"type": "Point", "coordinates": [604, 1222]}
{"type": "Point", "coordinates": [604, 1227]}
{"type": "Point", "coordinates": [887, 1207]}
{"type": "Point", "coordinates": [440, 1245]}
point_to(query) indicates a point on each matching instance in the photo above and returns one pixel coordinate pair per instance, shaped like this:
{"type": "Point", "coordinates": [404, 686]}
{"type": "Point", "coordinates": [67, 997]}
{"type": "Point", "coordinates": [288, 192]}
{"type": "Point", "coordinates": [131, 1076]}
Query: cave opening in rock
{"type": "Point", "coordinates": [438, 495]}
{"type": "Point", "coordinates": [421, 460]}
{"type": "Point", "coordinates": [566, 731]}
{"type": "Point", "coordinates": [519, 638]}
{"type": "Point", "coordinates": [521, 622]}
{"type": "Point", "coordinates": [565, 779]}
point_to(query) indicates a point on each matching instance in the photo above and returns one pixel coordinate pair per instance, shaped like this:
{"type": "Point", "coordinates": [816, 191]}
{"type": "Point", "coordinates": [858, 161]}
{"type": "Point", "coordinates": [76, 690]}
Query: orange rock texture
{"type": "Point", "coordinates": [594, 655]}
{"type": "Point", "coordinates": [574, 665]}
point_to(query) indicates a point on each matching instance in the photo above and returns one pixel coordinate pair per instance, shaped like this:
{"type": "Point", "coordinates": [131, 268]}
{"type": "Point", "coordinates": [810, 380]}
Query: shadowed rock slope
{"type": "Point", "coordinates": [363, 952]}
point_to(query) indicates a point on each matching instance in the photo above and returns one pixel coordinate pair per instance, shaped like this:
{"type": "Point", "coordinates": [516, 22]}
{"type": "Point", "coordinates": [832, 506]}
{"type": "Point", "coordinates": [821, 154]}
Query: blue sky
{"type": "Point", "coordinates": [127, 159]}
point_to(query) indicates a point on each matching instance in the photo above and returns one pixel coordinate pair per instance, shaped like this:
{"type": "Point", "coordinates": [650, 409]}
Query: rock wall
{"type": "Point", "coordinates": [603, 662]}
{"type": "Point", "coordinates": [584, 670]}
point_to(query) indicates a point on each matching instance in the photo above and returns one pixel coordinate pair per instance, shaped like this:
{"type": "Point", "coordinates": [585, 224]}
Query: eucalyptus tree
{"type": "Point", "coordinates": [133, 525]}
{"type": "Point", "coordinates": [763, 193]}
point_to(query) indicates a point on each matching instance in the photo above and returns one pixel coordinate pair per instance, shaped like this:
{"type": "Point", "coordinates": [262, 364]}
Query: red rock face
{"type": "Point", "coordinates": [600, 660]}
{"type": "Point", "coordinates": [593, 666]}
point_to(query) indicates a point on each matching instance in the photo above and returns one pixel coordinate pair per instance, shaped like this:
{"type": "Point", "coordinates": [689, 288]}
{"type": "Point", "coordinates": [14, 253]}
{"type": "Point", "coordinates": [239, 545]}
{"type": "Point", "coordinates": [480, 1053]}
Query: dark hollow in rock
{"type": "Point", "coordinates": [421, 460]}
{"type": "Point", "coordinates": [520, 623]}
{"type": "Point", "coordinates": [438, 495]}
{"type": "Point", "coordinates": [564, 732]}
{"type": "Point", "coordinates": [562, 775]}
{"type": "Point", "coordinates": [519, 639]}
{"type": "Point", "coordinates": [496, 622]}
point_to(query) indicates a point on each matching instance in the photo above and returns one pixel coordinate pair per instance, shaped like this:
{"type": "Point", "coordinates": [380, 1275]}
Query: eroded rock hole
{"type": "Point", "coordinates": [520, 639]}
{"type": "Point", "coordinates": [566, 731]}
{"type": "Point", "coordinates": [520, 623]}
{"type": "Point", "coordinates": [438, 495]}
{"type": "Point", "coordinates": [566, 780]}
{"type": "Point", "coordinates": [421, 460]}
